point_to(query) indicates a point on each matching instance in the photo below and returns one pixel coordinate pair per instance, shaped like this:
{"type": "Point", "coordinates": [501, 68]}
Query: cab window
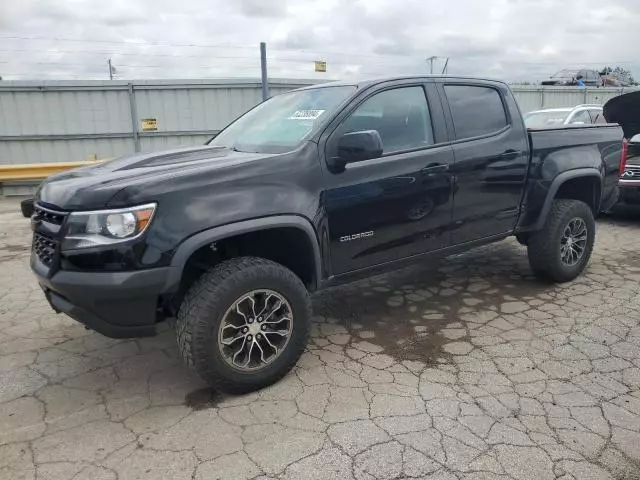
{"type": "Point", "coordinates": [400, 115]}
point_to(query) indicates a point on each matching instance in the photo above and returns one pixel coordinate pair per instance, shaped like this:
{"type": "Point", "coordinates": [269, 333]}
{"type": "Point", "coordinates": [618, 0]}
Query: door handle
{"type": "Point", "coordinates": [509, 154]}
{"type": "Point", "coordinates": [435, 168]}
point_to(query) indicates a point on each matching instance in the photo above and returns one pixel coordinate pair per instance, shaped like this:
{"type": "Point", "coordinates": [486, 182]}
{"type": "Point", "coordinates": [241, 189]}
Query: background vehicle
{"type": "Point", "coordinates": [569, 77]}
{"type": "Point", "coordinates": [550, 117]}
{"type": "Point", "coordinates": [625, 110]}
{"type": "Point", "coordinates": [630, 179]}
{"type": "Point", "coordinates": [313, 188]}
{"type": "Point", "coordinates": [615, 81]}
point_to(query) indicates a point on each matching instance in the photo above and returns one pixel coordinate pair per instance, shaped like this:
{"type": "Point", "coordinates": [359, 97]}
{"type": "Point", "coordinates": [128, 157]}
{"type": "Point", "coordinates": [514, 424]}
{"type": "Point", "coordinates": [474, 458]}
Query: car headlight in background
{"type": "Point", "coordinates": [106, 227]}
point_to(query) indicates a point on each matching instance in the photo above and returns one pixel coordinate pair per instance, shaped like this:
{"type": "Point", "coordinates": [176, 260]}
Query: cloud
{"type": "Point", "coordinates": [263, 8]}
{"type": "Point", "coordinates": [509, 39]}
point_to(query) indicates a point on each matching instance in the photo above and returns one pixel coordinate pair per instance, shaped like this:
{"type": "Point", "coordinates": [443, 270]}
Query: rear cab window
{"type": "Point", "coordinates": [476, 110]}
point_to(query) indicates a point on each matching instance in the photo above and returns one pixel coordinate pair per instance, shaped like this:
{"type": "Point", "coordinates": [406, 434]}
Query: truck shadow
{"type": "Point", "coordinates": [623, 215]}
{"type": "Point", "coordinates": [411, 313]}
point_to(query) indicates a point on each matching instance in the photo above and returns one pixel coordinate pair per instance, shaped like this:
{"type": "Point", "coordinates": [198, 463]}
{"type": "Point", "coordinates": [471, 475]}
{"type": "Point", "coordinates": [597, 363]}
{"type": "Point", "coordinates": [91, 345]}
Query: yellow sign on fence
{"type": "Point", "coordinates": [149, 124]}
{"type": "Point", "coordinates": [320, 66]}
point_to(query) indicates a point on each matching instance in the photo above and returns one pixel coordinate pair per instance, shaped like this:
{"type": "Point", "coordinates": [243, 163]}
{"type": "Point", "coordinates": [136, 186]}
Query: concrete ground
{"type": "Point", "coordinates": [469, 370]}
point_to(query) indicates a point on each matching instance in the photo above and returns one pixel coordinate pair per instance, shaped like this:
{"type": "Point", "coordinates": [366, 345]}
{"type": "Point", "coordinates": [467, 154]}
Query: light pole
{"type": "Point", "coordinates": [430, 60]}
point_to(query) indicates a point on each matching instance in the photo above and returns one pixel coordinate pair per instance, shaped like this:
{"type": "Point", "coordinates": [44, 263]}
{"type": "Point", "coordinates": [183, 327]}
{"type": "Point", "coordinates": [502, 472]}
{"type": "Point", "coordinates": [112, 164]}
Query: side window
{"type": "Point", "coordinates": [597, 116]}
{"type": "Point", "coordinates": [580, 117]}
{"type": "Point", "coordinates": [401, 116]}
{"type": "Point", "coordinates": [475, 110]}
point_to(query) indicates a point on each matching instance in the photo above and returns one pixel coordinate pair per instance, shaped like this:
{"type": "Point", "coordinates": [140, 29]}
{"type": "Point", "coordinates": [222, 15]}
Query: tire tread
{"type": "Point", "coordinates": [542, 245]}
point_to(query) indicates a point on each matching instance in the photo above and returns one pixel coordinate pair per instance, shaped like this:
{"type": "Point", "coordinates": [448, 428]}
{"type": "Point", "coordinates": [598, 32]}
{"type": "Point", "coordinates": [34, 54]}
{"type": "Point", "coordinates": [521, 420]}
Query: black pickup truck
{"type": "Point", "coordinates": [312, 188]}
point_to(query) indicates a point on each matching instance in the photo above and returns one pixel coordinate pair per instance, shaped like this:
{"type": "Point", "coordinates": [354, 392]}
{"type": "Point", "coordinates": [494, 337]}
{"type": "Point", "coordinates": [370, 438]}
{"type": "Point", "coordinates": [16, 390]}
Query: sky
{"type": "Point", "coordinates": [512, 40]}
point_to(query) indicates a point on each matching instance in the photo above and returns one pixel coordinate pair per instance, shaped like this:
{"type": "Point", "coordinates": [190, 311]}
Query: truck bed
{"type": "Point", "coordinates": [572, 147]}
{"type": "Point", "coordinates": [571, 136]}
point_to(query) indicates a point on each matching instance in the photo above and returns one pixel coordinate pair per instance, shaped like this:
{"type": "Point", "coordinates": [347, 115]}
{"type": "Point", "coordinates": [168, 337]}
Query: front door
{"type": "Point", "coordinates": [400, 204]}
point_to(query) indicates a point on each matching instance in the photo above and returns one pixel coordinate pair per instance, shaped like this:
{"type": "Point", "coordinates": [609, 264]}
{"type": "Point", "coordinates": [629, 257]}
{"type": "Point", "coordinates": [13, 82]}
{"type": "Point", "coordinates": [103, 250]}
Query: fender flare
{"type": "Point", "coordinates": [555, 186]}
{"type": "Point", "coordinates": [199, 240]}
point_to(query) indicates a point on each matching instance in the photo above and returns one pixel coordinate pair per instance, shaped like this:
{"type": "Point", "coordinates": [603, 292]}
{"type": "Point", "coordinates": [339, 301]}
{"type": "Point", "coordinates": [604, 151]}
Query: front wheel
{"type": "Point", "coordinates": [244, 324]}
{"type": "Point", "coordinates": [561, 250]}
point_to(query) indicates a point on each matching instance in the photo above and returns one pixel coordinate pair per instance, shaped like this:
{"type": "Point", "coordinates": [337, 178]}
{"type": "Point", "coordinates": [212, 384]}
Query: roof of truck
{"type": "Point", "coordinates": [366, 82]}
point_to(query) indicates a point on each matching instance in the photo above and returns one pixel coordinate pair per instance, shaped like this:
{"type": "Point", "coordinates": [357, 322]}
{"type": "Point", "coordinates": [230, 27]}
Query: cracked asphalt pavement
{"type": "Point", "coordinates": [466, 369]}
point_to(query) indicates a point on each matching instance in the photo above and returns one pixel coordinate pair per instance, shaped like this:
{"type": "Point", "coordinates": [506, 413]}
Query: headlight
{"type": "Point", "coordinates": [105, 227]}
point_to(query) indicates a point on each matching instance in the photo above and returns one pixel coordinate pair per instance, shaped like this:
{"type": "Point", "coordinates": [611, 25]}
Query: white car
{"type": "Point", "coordinates": [553, 117]}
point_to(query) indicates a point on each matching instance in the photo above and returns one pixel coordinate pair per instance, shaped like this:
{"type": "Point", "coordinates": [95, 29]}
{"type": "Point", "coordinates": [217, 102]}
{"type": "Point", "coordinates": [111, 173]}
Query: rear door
{"type": "Point", "coordinates": [400, 204]}
{"type": "Point", "coordinates": [491, 152]}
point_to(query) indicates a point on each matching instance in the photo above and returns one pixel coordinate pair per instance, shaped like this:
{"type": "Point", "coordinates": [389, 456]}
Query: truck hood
{"type": "Point", "coordinates": [92, 187]}
{"type": "Point", "coordinates": [624, 110]}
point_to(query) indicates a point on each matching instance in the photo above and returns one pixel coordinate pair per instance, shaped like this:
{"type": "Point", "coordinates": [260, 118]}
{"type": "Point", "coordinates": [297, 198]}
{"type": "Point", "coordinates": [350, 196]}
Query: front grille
{"type": "Point", "coordinates": [48, 215]}
{"type": "Point", "coordinates": [47, 225]}
{"type": "Point", "coordinates": [631, 172]}
{"type": "Point", "coordinates": [44, 248]}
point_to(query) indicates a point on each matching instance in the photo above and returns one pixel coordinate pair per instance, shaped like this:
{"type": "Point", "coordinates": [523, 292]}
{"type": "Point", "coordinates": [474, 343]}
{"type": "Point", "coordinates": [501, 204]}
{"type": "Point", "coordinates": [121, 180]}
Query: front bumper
{"type": "Point", "coordinates": [115, 304]}
{"type": "Point", "coordinates": [629, 192]}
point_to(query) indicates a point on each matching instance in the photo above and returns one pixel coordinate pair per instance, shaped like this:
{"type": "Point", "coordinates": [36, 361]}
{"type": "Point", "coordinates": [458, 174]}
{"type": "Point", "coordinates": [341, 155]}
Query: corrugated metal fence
{"type": "Point", "coordinates": [534, 98]}
{"type": "Point", "coordinates": [69, 121]}
{"type": "Point", "coordinates": [65, 121]}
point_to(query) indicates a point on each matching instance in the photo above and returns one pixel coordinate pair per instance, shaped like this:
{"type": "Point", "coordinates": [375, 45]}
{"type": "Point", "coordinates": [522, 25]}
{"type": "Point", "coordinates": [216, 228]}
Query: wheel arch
{"type": "Point", "coordinates": [566, 185]}
{"type": "Point", "coordinates": [208, 237]}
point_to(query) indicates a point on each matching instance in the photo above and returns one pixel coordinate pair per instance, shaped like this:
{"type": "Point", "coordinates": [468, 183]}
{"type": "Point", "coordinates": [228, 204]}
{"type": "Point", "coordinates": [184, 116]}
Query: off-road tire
{"type": "Point", "coordinates": [544, 245]}
{"type": "Point", "coordinates": [203, 309]}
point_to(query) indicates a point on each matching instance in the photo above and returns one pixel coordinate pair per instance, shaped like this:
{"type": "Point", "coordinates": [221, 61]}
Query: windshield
{"type": "Point", "coordinates": [545, 119]}
{"type": "Point", "coordinates": [281, 123]}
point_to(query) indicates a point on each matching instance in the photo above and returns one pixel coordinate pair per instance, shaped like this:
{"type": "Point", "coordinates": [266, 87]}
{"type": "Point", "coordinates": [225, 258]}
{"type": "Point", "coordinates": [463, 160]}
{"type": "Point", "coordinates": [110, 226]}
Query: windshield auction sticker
{"type": "Point", "coordinates": [306, 114]}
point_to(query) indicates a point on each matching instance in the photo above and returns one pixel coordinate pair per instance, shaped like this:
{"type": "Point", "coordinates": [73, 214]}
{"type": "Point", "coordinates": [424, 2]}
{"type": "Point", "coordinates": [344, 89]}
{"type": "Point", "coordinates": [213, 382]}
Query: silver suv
{"type": "Point", "coordinates": [553, 117]}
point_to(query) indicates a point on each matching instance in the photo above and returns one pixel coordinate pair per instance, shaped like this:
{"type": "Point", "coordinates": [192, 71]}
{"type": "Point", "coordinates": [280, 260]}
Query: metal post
{"type": "Point", "coordinates": [134, 118]}
{"type": "Point", "coordinates": [585, 95]}
{"type": "Point", "coordinates": [263, 70]}
{"type": "Point", "coordinates": [430, 60]}
{"type": "Point", "coordinates": [541, 97]}
{"type": "Point", "coordinates": [110, 70]}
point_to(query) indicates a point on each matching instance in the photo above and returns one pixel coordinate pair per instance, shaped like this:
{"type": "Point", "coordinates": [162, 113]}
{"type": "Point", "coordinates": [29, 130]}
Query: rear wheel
{"type": "Point", "coordinates": [561, 250]}
{"type": "Point", "coordinates": [244, 324]}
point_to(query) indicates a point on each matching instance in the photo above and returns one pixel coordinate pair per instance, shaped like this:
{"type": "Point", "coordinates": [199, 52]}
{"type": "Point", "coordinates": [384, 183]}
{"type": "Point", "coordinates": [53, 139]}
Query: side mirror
{"type": "Point", "coordinates": [359, 146]}
{"type": "Point", "coordinates": [356, 147]}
